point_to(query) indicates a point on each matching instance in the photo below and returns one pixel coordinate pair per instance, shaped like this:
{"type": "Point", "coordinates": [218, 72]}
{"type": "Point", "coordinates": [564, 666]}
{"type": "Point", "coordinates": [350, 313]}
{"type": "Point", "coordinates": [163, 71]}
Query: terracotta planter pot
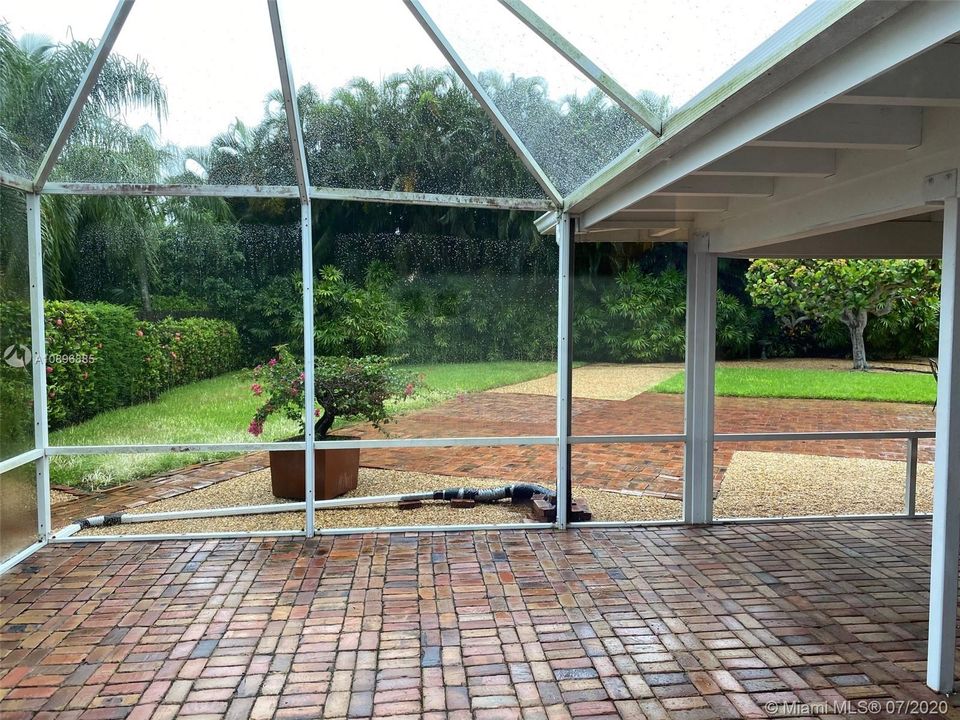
{"type": "Point", "coordinates": [336, 472]}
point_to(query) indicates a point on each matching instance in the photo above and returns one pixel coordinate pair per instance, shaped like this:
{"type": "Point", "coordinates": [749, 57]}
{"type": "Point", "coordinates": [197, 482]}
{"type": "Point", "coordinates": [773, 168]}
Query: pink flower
{"type": "Point", "coordinates": [49, 370]}
{"type": "Point", "coordinates": [139, 333]}
{"type": "Point", "coordinates": [258, 368]}
{"type": "Point", "coordinates": [408, 390]}
{"type": "Point", "coordinates": [273, 361]}
{"type": "Point", "coordinates": [256, 427]}
{"type": "Point", "coordinates": [316, 412]}
{"type": "Point", "coordinates": [294, 392]}
{"type": "Point", "coordinates": [302, 376]}
{"type": "Point", "coordinates": [59, 322]}
{"type": "Point", "coordinates": [257, 388]}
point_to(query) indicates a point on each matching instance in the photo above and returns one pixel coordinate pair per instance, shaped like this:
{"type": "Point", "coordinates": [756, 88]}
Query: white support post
{"type": "Point", "coordinates": [698, 398]}
{"type": "Point", "coordinates": [309, 400]}
{"type": "Point", "coordinates": [941, 645]}
{"type": "Point", "coordinates": [565, 234]}
{"type": "Point", "coordinates": [910, 483]}
{"type": "Point", "coordinates": [38, 364]}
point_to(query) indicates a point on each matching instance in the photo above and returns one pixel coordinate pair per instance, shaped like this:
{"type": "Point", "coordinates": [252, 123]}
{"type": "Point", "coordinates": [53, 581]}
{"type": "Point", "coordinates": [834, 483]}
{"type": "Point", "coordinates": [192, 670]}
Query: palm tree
{"type": "Point", "coordinates": [38, 78]}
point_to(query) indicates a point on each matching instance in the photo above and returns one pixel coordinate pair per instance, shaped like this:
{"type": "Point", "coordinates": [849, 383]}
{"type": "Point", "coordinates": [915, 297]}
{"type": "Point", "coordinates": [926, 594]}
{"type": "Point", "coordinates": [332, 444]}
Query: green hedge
{"type": "Point", "coordinates": [101, 356]}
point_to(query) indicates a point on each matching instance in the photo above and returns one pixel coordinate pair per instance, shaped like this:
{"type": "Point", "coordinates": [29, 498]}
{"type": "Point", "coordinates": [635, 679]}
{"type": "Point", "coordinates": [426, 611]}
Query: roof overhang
{"type": "Point", "coordinates": [837, 129]}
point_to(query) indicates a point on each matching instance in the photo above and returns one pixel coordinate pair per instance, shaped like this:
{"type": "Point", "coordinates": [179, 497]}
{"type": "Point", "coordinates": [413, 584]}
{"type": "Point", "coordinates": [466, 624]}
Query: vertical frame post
{"type": "Point", "coordinates": [941, 645]}
{"type": "Point", "coordinates": [910, 487]}
{"type": "Point", "coordinates": [565, 233]}
{"type": "Point", "coordinates": [309, 399]}
{"type": "Point", "coordinates": [38, 364]}
{"type": "Point", "coordinates": [699, 389]}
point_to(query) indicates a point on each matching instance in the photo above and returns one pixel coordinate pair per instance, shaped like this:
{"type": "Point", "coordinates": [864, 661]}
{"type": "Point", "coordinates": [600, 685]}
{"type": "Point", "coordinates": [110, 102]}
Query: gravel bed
{"type": "Point", "coordinates": [766, 484]}
{"type": "Point", "coordinates": [58, 497]}
{"type": "Point", "coordinates": [602, 381]}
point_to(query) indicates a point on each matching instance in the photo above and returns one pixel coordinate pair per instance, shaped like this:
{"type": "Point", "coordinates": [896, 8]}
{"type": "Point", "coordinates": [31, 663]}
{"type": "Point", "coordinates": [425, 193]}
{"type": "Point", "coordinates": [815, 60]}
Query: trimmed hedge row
{"type": "Point", "coordinates": [101, 356]}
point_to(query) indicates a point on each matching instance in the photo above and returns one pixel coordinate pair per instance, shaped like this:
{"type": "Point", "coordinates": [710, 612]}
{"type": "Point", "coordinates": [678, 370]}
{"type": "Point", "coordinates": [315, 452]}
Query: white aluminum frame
{"type": "Point", "coordinates": [389, 197]}
{"type": "Point", "coordinates": [698, 435]}
{"type": "Point", "coordinates": [38, 346]}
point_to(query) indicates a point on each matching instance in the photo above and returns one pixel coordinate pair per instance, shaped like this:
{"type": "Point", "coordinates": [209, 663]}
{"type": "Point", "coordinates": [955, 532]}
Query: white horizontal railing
{"type": "Point", "coordinates": [319, 444]}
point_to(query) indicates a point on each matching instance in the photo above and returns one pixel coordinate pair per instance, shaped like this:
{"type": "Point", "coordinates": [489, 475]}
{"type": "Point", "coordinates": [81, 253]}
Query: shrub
{"type": "Point", "coordinates": [346, 388]}
{"type": "Point", "coordinates": [356, 320]}
{"type": "Point", "coordinates": [101, 357]}
{"type": "Point", "coordinates": [643, 319]}
{"type": "Point", "coordinates": [456, 318]}
{"type": "Point", "coordinates": [16, 385]}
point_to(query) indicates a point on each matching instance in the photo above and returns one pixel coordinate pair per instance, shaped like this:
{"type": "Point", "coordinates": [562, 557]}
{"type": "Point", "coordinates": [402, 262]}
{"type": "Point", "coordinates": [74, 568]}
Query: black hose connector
{"type": "Point", "coordinates": [518, 492]}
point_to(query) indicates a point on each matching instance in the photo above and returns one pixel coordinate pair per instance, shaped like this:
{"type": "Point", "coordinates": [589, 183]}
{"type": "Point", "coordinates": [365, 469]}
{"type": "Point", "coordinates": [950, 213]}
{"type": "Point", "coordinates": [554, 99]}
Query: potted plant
{"type": "Point", "coordinates": [345, 388]}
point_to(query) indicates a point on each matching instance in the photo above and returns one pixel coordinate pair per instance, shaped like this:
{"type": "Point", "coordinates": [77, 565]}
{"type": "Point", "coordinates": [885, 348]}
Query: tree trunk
{"type": "Point", "coordinates": [856, 322]}
{"type": "Point", "coordinates": [144, 278]}
{"type": "Point", "coordinates": [323, 425]}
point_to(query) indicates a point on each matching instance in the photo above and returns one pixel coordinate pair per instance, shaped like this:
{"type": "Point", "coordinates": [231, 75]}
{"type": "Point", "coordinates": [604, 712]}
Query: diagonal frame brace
{"type": "Point", "coordinates": [89, 79]}
{"type": "Point", "coordinates": [292, 110]}
{"type": "Point", "coordinates": [608, 85]}
{"type": "Point", "coordinates": [486, 102]}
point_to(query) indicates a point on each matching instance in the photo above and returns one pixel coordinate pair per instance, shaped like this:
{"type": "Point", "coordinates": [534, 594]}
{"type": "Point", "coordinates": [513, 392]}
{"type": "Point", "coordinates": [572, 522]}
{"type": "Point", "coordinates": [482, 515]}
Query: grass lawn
{"type": "Point", "coordinates": [903, 387]}
{"type": "Point", "coordinates": [219, 410]}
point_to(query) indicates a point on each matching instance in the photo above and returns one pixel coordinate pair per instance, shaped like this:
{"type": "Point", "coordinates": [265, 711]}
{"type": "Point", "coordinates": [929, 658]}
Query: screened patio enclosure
{"type": "Point", "coordinates": [830, 139]}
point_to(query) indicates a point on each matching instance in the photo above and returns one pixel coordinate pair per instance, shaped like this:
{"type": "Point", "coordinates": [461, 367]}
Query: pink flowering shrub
{"type": "Point", "coordinates": [345, 388]}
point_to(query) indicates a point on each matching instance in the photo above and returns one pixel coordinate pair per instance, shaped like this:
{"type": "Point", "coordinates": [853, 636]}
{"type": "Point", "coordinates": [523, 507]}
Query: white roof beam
{"type": "Point", "coordinates": [775, 162]}
{"type": "Point", "coordinates": [470, 80]}
{"type": "Point", "coordinates": [619, 235]}
{"type": "Point", "coordinates": [677, 203]}
{"type": "Point", "coordinates": [859, 194]}
{"type": "Point", "coordinates": [87, 82]}
{"type": "Point", "coordinates": [586, 66]}
{"type": "Point", "coordinates": [902, 239]}
{"type": "Point", "coordinates": [930, 80]}
{"type": "Point", "coordinates": [908, 32]}
{"type": "Point", "coordinates": [652, 225]}
{"type": "Point", "coordinates": [707, 186]}
{"type": "Point", "coordinates": [855, 127]}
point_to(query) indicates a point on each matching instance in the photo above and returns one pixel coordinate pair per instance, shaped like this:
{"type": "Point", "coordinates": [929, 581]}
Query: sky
{"type": "Point", "coordinates": [217, 60]}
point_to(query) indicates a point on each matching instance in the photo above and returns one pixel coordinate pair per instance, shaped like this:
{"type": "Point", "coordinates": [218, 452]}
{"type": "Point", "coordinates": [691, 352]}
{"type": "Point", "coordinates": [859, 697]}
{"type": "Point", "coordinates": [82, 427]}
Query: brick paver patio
{"type": "Point", "coordinates": [662, 622]}
{"type": "Point", "coordinates": [656, 469]}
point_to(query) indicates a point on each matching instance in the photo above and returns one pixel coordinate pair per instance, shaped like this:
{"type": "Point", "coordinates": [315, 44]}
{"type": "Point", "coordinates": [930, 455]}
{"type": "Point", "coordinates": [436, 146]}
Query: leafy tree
{"type": "Point", "coordinates": [849, 291]}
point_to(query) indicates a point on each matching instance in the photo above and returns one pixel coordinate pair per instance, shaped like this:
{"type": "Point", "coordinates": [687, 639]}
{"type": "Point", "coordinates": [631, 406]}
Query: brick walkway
{"type": "Point", "coordinates": [660, 623]}
{"type": "Point", "coordinates": [655, 469]}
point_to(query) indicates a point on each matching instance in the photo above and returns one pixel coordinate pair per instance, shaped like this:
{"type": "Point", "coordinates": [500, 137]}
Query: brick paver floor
{"type": "Point", "coordinates": [654, 469]}
{"type": "Point", "coordinates": [665, 622]}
